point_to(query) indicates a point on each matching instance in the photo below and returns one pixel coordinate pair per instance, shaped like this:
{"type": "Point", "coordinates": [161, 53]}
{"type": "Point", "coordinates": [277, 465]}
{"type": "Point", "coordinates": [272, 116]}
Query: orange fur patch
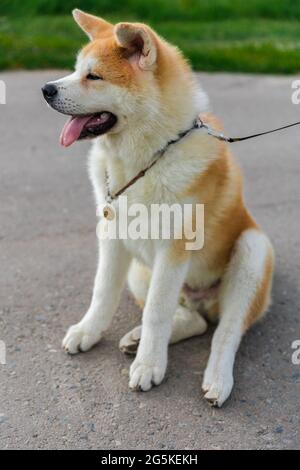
{"type": "Point", "coordinates": [219, 188]}
{"type": "Point", "coordinates": [116, 68]}
{"type": "Point", "coordinates": [112, 65]}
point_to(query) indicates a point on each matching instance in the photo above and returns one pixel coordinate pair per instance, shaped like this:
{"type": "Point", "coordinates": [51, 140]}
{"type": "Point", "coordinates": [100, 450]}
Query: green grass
{"type": "Point", "coordinates": [182, 10]}
{"type": "Point", "coordinates": [262, 45]}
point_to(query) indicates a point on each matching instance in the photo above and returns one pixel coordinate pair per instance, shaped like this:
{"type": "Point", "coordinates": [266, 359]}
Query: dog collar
{"type": "Point", "coordinates": [110, 197]}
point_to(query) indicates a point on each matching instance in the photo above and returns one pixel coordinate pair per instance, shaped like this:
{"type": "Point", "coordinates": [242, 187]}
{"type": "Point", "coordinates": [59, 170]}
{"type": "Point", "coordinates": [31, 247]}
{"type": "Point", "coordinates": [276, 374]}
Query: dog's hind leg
{"type": "Point", "coordinates": [186, 324]}
{"type": "Point", "coordinates": [244, 297]}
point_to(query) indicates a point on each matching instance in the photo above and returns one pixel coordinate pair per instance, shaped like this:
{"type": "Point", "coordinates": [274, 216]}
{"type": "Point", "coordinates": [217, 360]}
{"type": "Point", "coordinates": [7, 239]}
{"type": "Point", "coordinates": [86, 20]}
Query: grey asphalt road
{"type": "Point", "coordinates": [48, 261]}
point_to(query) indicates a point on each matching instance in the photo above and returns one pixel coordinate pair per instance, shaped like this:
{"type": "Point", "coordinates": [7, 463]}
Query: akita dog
{"type": "Point", "coordinates": [135, 94]}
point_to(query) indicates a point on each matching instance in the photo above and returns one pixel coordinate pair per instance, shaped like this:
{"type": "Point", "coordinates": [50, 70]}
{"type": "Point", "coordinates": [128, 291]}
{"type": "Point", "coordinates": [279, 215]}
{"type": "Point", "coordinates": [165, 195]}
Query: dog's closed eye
{"type": "Point", "coordinates": [93, 76]}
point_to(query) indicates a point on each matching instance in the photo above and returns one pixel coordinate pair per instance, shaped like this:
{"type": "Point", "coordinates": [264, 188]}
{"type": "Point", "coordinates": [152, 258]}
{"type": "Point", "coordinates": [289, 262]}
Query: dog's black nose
{"type": "Point", "coordinates": [49, 91]}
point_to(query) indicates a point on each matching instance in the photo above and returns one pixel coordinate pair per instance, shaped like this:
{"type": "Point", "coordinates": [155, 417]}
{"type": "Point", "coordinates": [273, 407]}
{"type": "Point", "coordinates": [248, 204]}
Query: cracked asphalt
{"type": "Point", "coordinates": [49, 400]}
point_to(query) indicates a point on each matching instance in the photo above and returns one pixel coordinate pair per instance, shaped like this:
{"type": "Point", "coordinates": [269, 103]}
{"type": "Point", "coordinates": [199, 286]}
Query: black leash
{"type": "Point", "coordinates": [199, 124]}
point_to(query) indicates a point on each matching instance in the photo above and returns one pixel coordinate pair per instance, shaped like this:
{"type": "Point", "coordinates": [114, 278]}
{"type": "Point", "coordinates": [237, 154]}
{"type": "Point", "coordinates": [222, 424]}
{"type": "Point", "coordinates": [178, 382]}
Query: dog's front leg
{"type": "Point", "coordinates": [110, 278]}
{"type": "Point", "coordinates": [150, 364]}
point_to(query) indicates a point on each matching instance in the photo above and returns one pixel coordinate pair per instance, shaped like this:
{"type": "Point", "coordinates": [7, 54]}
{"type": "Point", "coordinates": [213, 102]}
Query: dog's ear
{"type": "Point", "coordinates": [90, 24]}
{"type": "Point", "coordinates": [139, 42]}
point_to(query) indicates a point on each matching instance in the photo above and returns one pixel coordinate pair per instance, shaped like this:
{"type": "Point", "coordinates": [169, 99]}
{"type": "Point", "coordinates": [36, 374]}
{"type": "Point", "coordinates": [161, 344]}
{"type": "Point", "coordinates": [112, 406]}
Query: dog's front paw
{"type": "Point", "coordinates": [144, 375]}
{"type": "Point", "coordinates": [79, 338]}
{"type": "Point", "coordinates": [217, 387]}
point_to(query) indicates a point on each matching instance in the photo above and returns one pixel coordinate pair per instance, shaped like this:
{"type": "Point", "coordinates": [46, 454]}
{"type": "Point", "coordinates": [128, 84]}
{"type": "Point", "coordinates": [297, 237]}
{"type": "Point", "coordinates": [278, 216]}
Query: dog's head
{"type": "Point", "coordinates": [119, 79]}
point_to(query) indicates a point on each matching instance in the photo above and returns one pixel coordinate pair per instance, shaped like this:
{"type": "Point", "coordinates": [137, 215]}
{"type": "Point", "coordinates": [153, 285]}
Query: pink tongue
{"type": "Point", "coordinates": [72, 130]}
